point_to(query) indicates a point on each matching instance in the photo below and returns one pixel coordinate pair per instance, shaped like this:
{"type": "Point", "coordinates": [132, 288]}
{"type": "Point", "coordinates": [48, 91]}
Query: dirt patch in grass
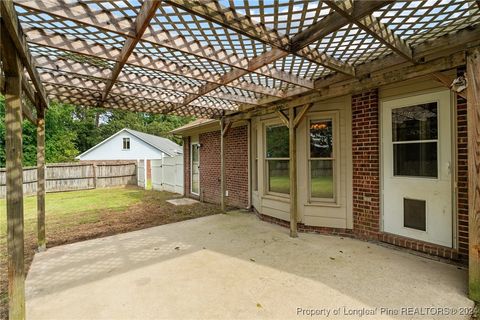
{"type": "Point", "coordinates": [152, 210]}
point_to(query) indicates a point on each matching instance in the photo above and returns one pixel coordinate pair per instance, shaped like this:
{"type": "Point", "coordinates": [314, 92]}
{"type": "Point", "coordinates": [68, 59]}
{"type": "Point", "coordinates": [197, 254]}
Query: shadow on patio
{"type": "Point", "coordinates": [235, 266]}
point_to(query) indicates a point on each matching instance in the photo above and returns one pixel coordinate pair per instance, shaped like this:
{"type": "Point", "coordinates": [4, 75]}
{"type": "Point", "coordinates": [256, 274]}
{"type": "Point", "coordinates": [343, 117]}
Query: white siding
{"type": "Point", "coordinates": [112, 149]}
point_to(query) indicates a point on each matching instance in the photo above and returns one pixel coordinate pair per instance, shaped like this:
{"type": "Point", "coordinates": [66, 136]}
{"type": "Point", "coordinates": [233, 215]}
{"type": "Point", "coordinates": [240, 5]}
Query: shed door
{"type": "Point", "coordinates": [417, 168]}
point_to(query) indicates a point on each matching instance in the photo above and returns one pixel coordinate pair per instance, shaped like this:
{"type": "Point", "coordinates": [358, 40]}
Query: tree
{"type": "Point", "coordinates": [71, 130]}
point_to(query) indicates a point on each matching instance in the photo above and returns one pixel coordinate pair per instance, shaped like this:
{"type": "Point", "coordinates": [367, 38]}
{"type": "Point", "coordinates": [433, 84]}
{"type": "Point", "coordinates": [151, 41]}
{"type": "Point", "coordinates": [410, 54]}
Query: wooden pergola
{"type": "Point", "coordinates": [230, 60]}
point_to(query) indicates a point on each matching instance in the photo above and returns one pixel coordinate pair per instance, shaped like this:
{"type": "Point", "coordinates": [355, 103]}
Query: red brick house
{"type": "Point", "coordinates": [387, 164]}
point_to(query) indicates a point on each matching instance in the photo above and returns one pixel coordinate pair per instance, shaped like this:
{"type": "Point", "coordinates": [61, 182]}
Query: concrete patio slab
{"type": "Point", "coordinates": [236, 267]}
{"type": "Point", "coordinates": [182, 201]}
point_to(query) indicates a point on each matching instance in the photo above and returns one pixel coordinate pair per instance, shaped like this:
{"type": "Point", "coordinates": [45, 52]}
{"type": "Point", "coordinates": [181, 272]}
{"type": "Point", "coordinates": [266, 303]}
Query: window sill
{"type": "Point", "coordinates": [322, 204]}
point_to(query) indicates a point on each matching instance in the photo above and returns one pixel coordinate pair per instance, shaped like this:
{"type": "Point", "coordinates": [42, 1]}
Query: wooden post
{"type": "Point", "coordinates": [293, 172]}
{"type": "Point", "coordinates": [222, 166]}
{"type": "Point", "coordinates": [40, 176]}
{"type": "Point", "coordinates": [224, 127]}
{"type": "Point", "coordinates": [94, 173]}
{"type": "Point", "coordinates": [473, 125]}
{"type": "Point", "coordinates": [13, 146]}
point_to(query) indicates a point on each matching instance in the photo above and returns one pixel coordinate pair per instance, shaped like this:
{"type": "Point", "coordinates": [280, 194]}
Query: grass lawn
{"type": "Point", "coordinates": [80, 215]}
{"type": "Point", "coordinates": [322, 187]}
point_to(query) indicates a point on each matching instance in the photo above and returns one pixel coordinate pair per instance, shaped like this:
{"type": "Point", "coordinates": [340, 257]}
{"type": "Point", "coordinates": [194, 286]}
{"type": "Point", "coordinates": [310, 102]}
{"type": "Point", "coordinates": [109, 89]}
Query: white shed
{"type": "Point", "coordinates": [128, 144]}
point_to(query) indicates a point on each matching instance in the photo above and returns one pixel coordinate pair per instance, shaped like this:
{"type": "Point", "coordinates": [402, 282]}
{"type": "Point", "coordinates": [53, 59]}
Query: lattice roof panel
{"type": "Point", "coordinates": [73, 30]}
{"type": "Point", "coordinates": [351, 44]}
{"type": "Point", "coordinates": [208, 57]}
{"type": "Point", "coordinates": [194, 28]}
{"type": "Point", "coordinates": [285, 16]}
{"type": "Point", "coordinates": [418, 21]}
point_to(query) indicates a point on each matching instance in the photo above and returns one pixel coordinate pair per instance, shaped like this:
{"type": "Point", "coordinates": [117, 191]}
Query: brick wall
{"type": "Point", "coordinates": [462, 177]}
{"type": "Point", "coordinates": [366, 165]}
{"type": "Point", "coordinates": [236, 166]}
{"type": "Point", "coordinates": [236, 169]}
{"type": "Point", "coordinates": [210, 166]}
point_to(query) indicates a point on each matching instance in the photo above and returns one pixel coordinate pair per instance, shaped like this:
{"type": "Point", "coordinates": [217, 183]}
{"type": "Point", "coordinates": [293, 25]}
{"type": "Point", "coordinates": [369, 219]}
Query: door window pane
{"type": "Point", "coordinates": [415, 122]}
{"type": "Point", "coordinates": [415, 159]}
{"type": "Point", "coordinates": [321, 139]}
{"type": "Point", "coordinates": [277, 142]}
{"type": "Point", "coordinates": [278, 176]}
{"type": "Point", "coordinates": [321, 178]}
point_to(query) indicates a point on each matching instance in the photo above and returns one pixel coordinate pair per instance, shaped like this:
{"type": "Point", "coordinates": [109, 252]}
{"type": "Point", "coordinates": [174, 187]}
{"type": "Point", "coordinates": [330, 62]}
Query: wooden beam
{"type": "Point", "coordinates": [213, 11]}
{"type": "Point", "coordinates": [83, 48]}
{"type": "Point", "coordinates": [283, 117]}
{"type": "Point", "coordinates": [41, 239]}
{"type": "Point", "coordinates": [13, 69]}
{"type": "Point", "coordinates": [473, 128]}
{"type": "Point", "coordinates": [447, 82]}
{"type": "Point", "coordinates": [371, 25]}
{"type": "Point", "coordinates": [293, 173]}
{"type": "Point", "coordinates": [335, 21]}
{"type": "Point", "coordinates": [31, 95]}
{"type": "Point", "coordinates": [147, 12]}
{"type": "Point", "coordinates": [403, 72]}
{"type": "Point", "coordinates": [11, 24]}
{"type": "Point", "coordinates": [301, 114]}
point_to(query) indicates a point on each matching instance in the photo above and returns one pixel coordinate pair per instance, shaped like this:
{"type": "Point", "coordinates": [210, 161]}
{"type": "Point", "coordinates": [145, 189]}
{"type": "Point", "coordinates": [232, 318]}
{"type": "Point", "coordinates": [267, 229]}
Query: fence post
{"type": "Point", "coordinates": [145, 173]}
{"type": "Point", "coordinates": [94, 168]}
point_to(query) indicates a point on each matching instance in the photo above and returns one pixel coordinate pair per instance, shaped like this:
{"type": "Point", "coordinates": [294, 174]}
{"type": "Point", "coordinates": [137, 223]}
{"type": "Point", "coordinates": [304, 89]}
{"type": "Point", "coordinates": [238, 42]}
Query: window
{"type": "Point", "coordinates": [415, 140]}
{"type": "Point", "coordinates": [322, 159]}
{"type": "Point", "coordinates": [126, 143]}
{"type": "Point", "coordinates": [277, 159]}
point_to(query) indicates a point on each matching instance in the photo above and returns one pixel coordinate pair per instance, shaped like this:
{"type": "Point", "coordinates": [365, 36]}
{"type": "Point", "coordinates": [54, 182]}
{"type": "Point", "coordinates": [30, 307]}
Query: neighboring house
{"type": "Point", "coordinates": [380, 165]}
{"type": "Point", "coordinates": [128, 144]}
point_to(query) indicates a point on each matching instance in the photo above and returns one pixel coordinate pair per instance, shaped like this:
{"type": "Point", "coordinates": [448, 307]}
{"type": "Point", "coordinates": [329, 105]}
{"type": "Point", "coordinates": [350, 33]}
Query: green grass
{"type": "Point", "coordinates": [61, 205]}
{"type": "Point", "coordinates": [322, 187]}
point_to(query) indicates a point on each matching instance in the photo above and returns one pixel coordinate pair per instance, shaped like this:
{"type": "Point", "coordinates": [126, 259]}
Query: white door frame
{"type": "Point", "coordinates": [191, 168]}
{"type": "Point", "coordinates": [453, 159]}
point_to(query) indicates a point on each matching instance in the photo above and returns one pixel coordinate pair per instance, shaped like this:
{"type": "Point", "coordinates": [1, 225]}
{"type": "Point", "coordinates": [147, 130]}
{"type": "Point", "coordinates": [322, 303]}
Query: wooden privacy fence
{"type": "Point", "coordinates": [76, 176]}
{"type": "Point", "coordinates": [167, 174]}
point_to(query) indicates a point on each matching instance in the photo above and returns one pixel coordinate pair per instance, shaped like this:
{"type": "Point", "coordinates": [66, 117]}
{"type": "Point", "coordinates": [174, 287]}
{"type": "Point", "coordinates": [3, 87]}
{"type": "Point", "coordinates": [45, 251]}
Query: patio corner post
{"type": "Point", "coordinates": [41, 176]}
{"type": "Point", "coordinates": [224, 127]}
{"type": "Point", "coordinates": [13, 69]}
{"type": "Point", "coordinates": [473, 127]}
{"type": "Point", "coordinates": [293, 172]}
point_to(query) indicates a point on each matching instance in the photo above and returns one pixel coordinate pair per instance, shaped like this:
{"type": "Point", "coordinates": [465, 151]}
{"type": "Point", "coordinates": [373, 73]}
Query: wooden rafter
{"type": "Point", "coordinates": [69, 69]}
{"type": "Point", "coordinates": [104, 20]}
{"type": "Point", "coordinates": [147, 12]}
{"type": "Point", "coordinates": [11, 24]}
{"type": "Point", "coordinates": [371, 25]}
{"type": "Point", "coordinates": [95, 85]}
{"type": "Point", "coordinates": [81, 47]}
{"type": "Point", "coordinates": [282, 46]}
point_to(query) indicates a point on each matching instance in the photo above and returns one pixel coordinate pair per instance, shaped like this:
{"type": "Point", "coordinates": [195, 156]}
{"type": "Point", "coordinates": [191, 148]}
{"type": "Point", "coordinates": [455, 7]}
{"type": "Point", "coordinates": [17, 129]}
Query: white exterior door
{"type": "Point", "coordinates": [417, 167]}
{"type": "Point", "coordinates": [195, 186]}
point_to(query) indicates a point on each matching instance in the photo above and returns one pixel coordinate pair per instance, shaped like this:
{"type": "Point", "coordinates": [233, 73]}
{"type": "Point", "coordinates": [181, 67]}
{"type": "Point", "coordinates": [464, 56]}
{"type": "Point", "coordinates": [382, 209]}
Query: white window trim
{"type": "Point", "coordinates": [266, 190]}
{"type": "Point", "coordinates": [123, 143]}
{"type": "Point", "coordinates": [334, 116]}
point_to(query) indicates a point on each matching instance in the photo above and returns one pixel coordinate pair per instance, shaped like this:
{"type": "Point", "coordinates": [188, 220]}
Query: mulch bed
{"type": "Point", "coordinates": [152, 211]}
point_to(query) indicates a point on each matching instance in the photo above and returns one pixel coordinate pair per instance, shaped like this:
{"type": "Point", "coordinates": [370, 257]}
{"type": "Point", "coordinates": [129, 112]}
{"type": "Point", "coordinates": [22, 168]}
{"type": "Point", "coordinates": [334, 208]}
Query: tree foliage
{"type": "Point", "coordinates": [71, 130]}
